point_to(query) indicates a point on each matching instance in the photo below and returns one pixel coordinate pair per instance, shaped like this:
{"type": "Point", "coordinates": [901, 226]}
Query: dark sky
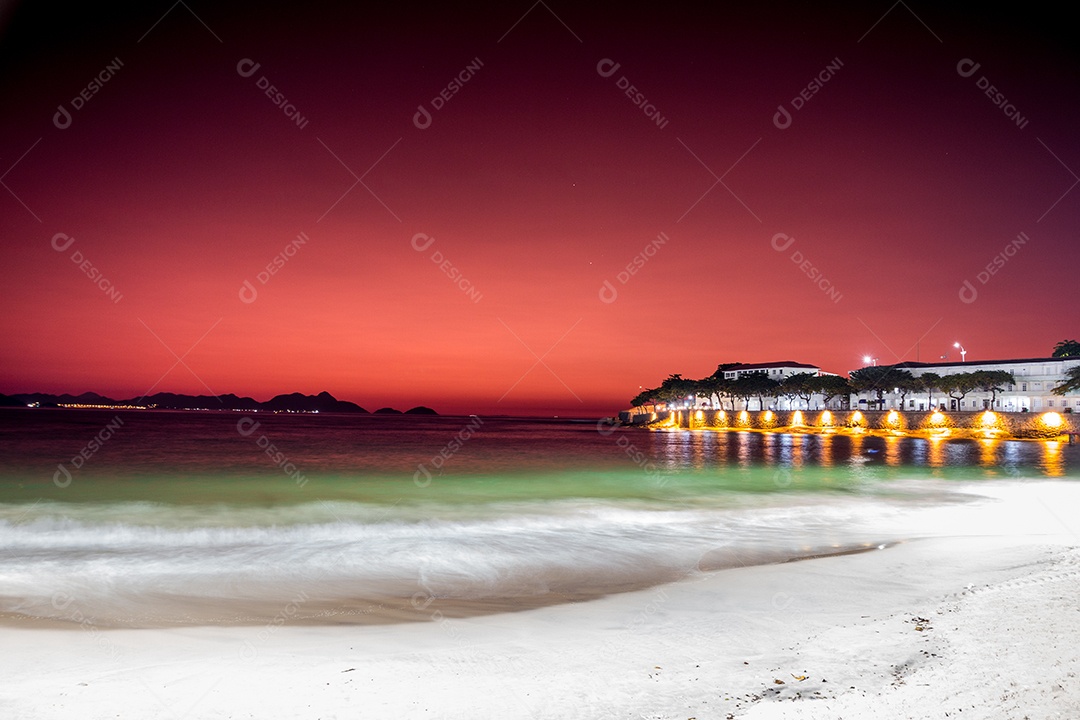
{"type": "Point", "coordinates": [474, 264]}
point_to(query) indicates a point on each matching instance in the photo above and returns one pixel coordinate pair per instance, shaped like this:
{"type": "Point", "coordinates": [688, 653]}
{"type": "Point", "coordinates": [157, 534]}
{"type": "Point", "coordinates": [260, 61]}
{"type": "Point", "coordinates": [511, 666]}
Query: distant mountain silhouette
{"type": "Point", "coordinates": [388, 411]}
{"type": "Point", "coordinates": [420, 410]}
{"type": "Point", "coordinates": [323, 402]}
{"type": "Point", "coordinates": [294, 402]}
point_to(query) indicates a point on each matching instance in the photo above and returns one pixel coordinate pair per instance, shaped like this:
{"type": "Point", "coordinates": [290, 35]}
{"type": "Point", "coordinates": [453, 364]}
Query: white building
{"type": "Point", "coordinates": [775, 370]}
{"type": "Point", "coordinates": [1035, 379]}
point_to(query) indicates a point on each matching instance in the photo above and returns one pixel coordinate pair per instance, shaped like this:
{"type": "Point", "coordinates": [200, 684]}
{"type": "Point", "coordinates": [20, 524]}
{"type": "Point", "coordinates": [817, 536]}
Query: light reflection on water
{"type": "Point", "coordinates": [795, 451]}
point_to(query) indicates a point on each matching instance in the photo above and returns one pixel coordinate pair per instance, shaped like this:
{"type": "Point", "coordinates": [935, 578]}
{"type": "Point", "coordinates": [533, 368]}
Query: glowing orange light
{"type": "Point", "coordinates": [1052, 420]}
{"type": "Point", "coordinates": [826, 418]}
{"type": "Point", "coordinates": [937, 419]}
{"type": "Point", "coordinates": [989, 418]}
{"type": "Point", "coordinates": [768, 416]}
{"type": "Point", "coordinates": [797, 418]}
{"type": "Point", "coordinates": [856, 417]}
{"type": "Point", "coordinates": [700, 415]}
{"type": "Point", "coordinates": [893, 418]}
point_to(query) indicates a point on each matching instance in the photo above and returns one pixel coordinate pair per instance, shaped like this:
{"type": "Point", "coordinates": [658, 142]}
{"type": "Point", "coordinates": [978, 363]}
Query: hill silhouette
{"type": "Point", "coordinates": [292, 402]}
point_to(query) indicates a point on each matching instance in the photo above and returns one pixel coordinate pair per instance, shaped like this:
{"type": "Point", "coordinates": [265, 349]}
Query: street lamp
{"type": "Point", "coordinates": [870, 360]}
{"type": "Point", "coordinates": [963, 352]}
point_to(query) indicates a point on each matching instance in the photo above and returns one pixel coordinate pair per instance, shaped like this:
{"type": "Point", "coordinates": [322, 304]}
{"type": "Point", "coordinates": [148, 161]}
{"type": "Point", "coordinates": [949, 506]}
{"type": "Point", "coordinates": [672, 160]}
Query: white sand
{"type": "Point", "coordinates": [969, 627]}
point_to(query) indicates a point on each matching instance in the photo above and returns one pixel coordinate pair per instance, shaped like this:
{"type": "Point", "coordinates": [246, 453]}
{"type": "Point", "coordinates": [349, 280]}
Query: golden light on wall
{"type": "Point", "coordinates": [1051, 420]}
{"type": "Point", "coordinates": [826, 419]}
{"type": "Point", "coordinates": [939, 424]}
{"type": "Point", "coordinates": [894, 423]}
{"type": "Point", "coordinates": [797, 418]}
{"type": "Point", "coordinates": [991, 423]}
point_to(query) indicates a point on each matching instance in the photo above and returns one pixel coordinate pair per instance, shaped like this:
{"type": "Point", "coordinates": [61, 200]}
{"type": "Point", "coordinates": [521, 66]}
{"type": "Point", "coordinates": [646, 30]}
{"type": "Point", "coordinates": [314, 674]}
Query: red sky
{"type": "Point", "coordinates": [539, 180]}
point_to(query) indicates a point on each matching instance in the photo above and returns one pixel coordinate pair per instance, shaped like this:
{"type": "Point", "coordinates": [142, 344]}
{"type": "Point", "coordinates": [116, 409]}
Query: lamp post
{"type": "Point", "coordinates": [963, 352]}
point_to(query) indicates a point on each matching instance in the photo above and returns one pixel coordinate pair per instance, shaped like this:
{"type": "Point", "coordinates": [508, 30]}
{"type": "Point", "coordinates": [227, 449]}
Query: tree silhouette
{"type": "Point", "coordinates": [1067, 348]}
{"type": "Point", "coordinates": [1071, 383]}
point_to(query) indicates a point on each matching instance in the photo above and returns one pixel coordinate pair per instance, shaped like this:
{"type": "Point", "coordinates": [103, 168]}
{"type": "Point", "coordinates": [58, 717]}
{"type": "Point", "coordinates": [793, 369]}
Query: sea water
{"type": "Point", "coordinates": [157, 518]}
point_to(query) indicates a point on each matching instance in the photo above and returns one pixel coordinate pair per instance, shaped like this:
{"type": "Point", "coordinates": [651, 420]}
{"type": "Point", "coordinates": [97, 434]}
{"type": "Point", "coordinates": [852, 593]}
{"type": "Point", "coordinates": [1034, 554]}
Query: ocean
{"type": "Point", "coordinates": [162, 518]}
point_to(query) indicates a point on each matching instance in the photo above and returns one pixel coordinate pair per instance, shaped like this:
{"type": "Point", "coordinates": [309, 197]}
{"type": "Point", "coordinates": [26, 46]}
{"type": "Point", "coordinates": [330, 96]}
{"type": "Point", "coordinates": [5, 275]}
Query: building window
{"type": "Point", "coordinates": [1023, 387]}
{"type": "Point", "coordinates": [1049, 403]}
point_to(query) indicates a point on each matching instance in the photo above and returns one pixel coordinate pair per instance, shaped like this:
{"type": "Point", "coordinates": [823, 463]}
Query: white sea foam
{"type": "Point", "coordinates": [139, 563]}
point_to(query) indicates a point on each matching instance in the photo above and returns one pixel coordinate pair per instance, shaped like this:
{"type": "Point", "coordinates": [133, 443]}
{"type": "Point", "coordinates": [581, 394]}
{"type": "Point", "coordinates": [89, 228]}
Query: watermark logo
{"type": "Point", "coordinates": [782, 118]}
{"type": "Point", "coordinates": [608, 292]}
{"type": "Point", "coordinates": [968, 67]}
{"type": "Point", "coordinates": [248, 291]}
{"type": "Point", "coordinates": [968, 292]}
{"type": "Point", "coordinates": [62, 118]}
{"type": "Point", "coordinates": [247, 427]}
{"type": "Point", "coordinates": [607, 68]}
{"type": "Point", "coordinates": [248, 651]}
{"type": "Point", "coordinates": [248, 67]}
{"type": "Point", "coordinates": [782, 242]}
{"type": "Point", "coordinates": [422, 118]}
{"type": "Point", "coordinates": [61, 242]}
{"type": "Point", "coordinates": [421, 242]}
{"type": "Point", "coordinates": [423, 477]}
{"type": "Point", "coordinates": [62, 601]}
{"type": "Point", "coordinates": [62, 477]}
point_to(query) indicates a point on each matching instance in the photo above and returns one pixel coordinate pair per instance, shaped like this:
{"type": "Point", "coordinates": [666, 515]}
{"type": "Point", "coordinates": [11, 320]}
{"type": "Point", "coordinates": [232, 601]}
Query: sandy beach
{"type": "Point", "coordinates": [972, 627]}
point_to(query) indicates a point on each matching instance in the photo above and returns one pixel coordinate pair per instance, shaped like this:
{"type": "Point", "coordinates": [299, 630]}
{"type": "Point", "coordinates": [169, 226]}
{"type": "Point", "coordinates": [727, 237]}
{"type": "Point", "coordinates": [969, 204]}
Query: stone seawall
{"type": "Point", "coordinates": [985, 424]}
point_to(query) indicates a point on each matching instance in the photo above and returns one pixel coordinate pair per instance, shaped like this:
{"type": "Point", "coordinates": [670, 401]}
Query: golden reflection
{"type": "Point", "coordinates": [936, 456]}
{"type": "Point", "coordinates": [797, 450]}
{"type": "Point", "coordinates": [988, 452]}
{"type": "Point", "coordinates": [744, 454]}
{"type": "Point", "coordinates": [892, 450]}
{"type": "Point", "coordinates": [768, 448]}
{"type": "Point", "coordinates": [826, 442]}
{"type": "Point", "coordinates": [1053, 463]}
